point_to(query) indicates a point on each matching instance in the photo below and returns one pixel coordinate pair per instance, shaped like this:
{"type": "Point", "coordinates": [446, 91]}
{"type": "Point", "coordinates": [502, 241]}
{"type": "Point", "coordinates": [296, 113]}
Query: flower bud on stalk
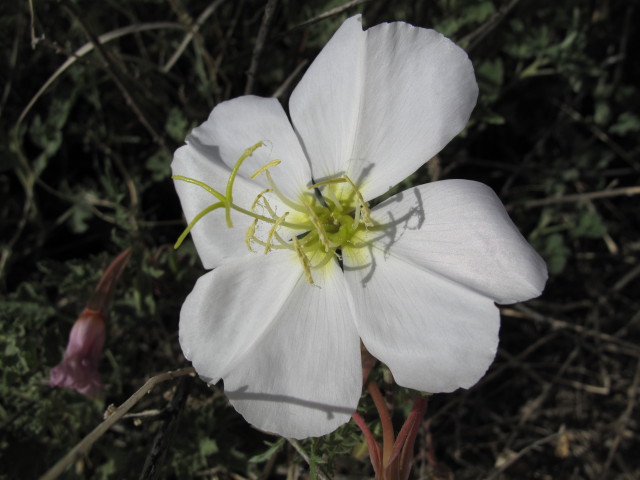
{"type": "Point", "coordinates": [79, 367]}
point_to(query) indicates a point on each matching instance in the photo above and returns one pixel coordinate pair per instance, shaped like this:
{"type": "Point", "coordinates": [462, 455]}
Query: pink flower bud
{"type": "Point", "coordinates": [79, 367]}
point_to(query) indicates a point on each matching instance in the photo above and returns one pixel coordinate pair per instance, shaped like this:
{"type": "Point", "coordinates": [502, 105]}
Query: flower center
{"type": "Point", "coordinates": [324, 219]}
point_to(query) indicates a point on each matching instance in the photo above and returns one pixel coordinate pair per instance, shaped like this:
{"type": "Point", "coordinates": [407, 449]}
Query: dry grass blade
{"type": "Point", "coordinates": [269, 10]}
{"type": "Point", "coordinates": [193, 30]}
{"type": "Point", "coordinates": [329, 13]}
{"type": "Point", "coordinates": [89, 47]}
{"type": "Point", "coordinates": [579, 197]}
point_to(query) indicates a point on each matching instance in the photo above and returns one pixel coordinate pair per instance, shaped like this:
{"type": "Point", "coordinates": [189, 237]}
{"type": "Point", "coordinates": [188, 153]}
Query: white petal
{"type": "Point", "coordinates": [378, 104]}
{"type": "Point", "coordinates": [460, 230]}
{"type": "Point", "coordinates": [226, 312]}
{"type": "Point", "coordinates": [433, 334]}
{"type": "Point", "coordinates": [238, 124]}
{"type": "Point", "coordinates": [288, 351]}
{"type": "Point", "coordinates": [324, 105]}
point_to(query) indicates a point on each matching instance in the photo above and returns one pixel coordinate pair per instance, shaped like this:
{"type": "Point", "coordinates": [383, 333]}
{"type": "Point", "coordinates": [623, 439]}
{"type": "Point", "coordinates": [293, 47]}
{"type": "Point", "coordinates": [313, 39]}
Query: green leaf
{"type": "Point", "coordinates": [626, 123]}
{"type": "Point", "coordinates": [176, 125]}
{"type": "Point", "coordinates": [208, 446]}
{"type": "Point", "coordinates": [159, 165]}
{"type": "Point", "coordinates": [273, 449]}
{"type": "Point", "coordinates": [590, 225]}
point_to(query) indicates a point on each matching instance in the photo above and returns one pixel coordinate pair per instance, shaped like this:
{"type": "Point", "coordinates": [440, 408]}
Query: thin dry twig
{"type": "Point", "coordinates": [578, 197]}
{"type": "Point", "coordinates": [162, 440]}
{"type": "Point", "coordinates": [27, 178]}
{"type": "Point", "coordinates": [601, 135]}
{"type": "Point", "coordinates": [475, 37]}
{"type": "Point", "coordinates": [517, 456]}
{"type": "Point", "coordinates": [534, 405]}
{"type": "Point", "coordinates": [13, 60]}
{"type": "Point", "coordinates": [328, 13]}
{"type": "Point", "coordinates": [298, 448]}
{"type": "Point", "coordinates": [116, 75]}
{"type": "Point", "coordinates": [34, 38]}
{"type": "Point", "coordinates": [83, 447]}
{"type": "Point", "coordinates": [87, 48]}
{"type": "Point", "coordinates": [612, 246]}
{"type": "Point", "coordinates": [269, 10]}
{"type": "Point", "coordinates": [623, 421]}
{"type": "Point", "coordinates": [285, 85]}
{"type": "Point", "coordinates": [522, 311]}
{"type": "Point", "coordinates": [626, 279]}
{"type": "Point", "coordinates": [194, 28]}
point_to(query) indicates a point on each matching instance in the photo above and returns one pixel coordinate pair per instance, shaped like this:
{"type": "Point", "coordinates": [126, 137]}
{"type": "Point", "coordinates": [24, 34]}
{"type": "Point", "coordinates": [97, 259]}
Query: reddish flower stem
{"type": "Point", "coordinates": [385, 419]}
{"type": "Point", "coordinates": [372, 445]}
{"type": "Point", "coordinates": [413, 420]}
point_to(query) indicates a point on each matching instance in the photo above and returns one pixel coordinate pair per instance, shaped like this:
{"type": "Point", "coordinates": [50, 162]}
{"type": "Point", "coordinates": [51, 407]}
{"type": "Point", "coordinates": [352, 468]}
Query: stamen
{"type": "Point", "coordinates": [281, 195]}
{"type": "Point", "coordinates": [334, 199]}
{"type": "Point", "coordinates": [226, 202]}
{"type": "Point", "coordinates": [356, 217]}
{"type": "Point", "coordinates": [328, 221]}
{"type": "Point", "coordinates": [272, 232]}
{"type": "Point", "coordinates": [327, 182]}
{"type": "Point", "coordinates": [363, 205]}
{"type": "Point", "coordinates": [286, 246]}
{"type": "Point", "coordinates": [246, 154]}
{"type": "Point", "coordinates": [283, 242]}
{"type": "Point", "coordinates": [260, 195]}
{"type": "Point", "coordinates": [304, 260]}
{"type": "Point", "coordinates": [213, 192]}
{"type": "Point", "coordinates": [322, 233]}
{"type": "Point", "coordinates": [265, 203]}
{"type": "Point", "coordinates": [250, 235]}
{"type": "Point", "coordinates": [193, 222]}
{"type": "Point", "coordinates": [264, 168]}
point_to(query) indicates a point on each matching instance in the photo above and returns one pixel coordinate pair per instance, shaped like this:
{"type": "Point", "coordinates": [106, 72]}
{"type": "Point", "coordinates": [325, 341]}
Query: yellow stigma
{"type": "Point", "coordinates": [327, 217]}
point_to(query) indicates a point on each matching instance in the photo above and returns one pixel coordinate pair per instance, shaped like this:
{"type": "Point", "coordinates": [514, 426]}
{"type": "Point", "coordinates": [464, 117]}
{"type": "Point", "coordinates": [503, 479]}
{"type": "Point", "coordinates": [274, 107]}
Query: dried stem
{"type": "Point", "coordinates": [269, 9]}
{"type": "Point", "coordinates": [194, 28]}
{"type": "Point", "coordinates": [578, 197]}
{"type": "Point", "coordinates": [116, 75]}
{"type": "Point", "coordinates": [162, 440]}
{"type": "Point", "coordinates": [329, 13]}
{"type": "Point", "coordinates": [83, 447]}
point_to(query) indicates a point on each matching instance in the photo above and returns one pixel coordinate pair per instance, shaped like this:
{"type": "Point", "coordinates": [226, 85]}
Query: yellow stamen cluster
{"type": "Point", "coordinates": [325, 218]}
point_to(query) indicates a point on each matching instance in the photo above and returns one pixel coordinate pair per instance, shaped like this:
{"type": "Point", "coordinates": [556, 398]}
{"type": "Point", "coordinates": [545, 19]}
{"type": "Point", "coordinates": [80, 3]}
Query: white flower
{"type": "Point", "coordinates": [414, 278]}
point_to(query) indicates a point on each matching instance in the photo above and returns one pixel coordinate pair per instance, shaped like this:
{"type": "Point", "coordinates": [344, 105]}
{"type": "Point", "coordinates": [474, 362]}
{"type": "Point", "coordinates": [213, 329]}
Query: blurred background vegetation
{"type": "Point", "coordinates": [86, 140]}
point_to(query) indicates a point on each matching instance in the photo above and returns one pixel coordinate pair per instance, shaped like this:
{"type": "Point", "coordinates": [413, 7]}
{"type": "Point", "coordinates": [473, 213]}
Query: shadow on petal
{"type": "Point", "coordinates": [388, 232]}
{"type": "Point", "coordinates": [243, 394]}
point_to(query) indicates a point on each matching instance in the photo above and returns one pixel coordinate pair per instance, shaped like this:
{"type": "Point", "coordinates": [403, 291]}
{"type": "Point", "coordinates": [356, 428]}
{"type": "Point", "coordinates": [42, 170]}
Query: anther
{"type": "Point", "coordinates": [364, 206]}
{"type": "Point", "coordinates": [306, 265]}
{"type": "Point", "coordinates": [266, 167]}
{"type": "Point", "coordinates": [283, 198]}
{"type": "Point", "coordinates": [265, 203]}
{"type": "Point", "coordinates": [251, 231]}
{"type": "Point", "coordinates": [334, 199]}
{"type": "Point", "coordinates": [322, 233]}
{"type": "Point", "coordinates": [272, 232]}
